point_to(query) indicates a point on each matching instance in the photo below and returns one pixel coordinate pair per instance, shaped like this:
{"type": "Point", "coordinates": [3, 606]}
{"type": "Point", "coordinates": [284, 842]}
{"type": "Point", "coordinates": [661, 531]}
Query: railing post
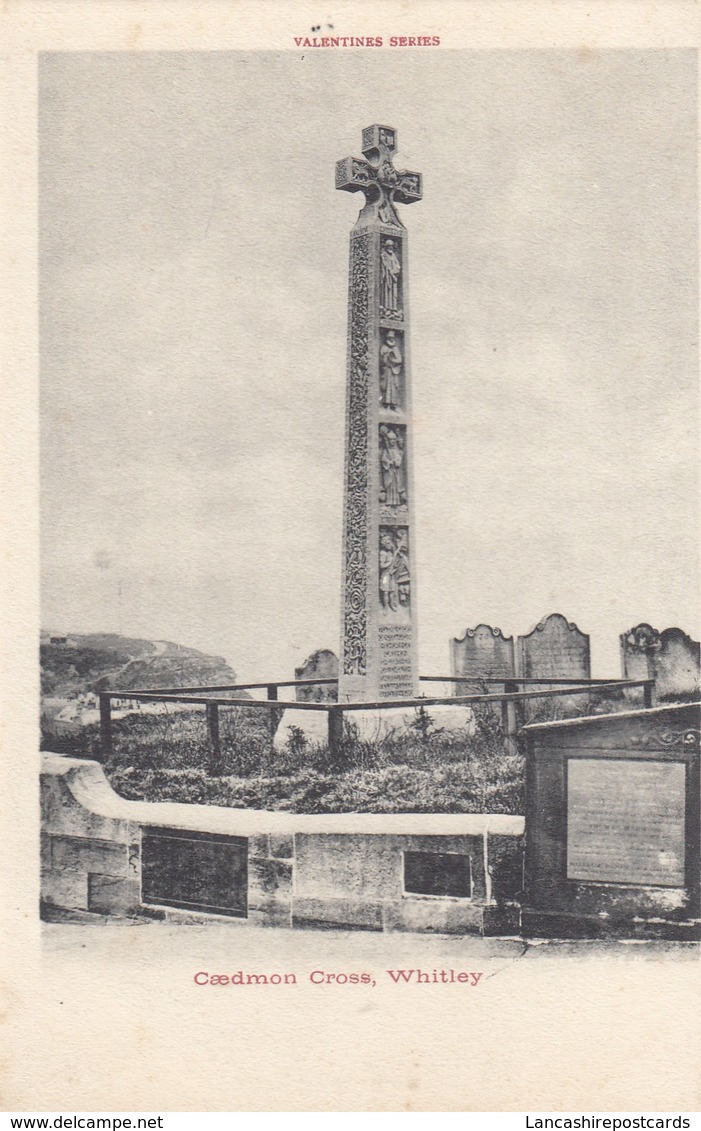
{"type": "Point", "coordinates": [648, 692]}
{"type": "Point", "coordinates": [274, 717]}
{"type": "Point", "coordinates": [335, 720]}
{"type": "Point", "coordinates": [509, 719]}
{"type": "Point", "coordinates": [105, 726]}
{"type": "Point", "coordinates": [215, 763]}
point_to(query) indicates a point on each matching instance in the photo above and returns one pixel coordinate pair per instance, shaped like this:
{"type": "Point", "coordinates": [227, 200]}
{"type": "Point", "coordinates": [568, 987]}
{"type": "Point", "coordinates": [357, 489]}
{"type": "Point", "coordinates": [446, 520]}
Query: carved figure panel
{"type": "Point", "coordinates": [392, 370]}
{"type": "Point", "coordinates": [393, 485]}
{"type": "Point", "coordinates": [395, 573]}
{"type": "Point", "coordinates": [390, 279]}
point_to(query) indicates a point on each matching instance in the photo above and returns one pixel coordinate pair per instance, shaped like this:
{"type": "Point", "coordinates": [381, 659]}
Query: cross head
{"type": "Point", "coordinates": [377, 177]}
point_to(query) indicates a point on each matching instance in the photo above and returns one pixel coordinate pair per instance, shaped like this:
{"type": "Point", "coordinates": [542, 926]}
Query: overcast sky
{"type": "Point", "coordinates": [193, 307]}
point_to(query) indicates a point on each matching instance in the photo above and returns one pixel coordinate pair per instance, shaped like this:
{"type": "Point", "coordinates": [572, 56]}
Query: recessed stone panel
{"type": "Point", "coordinates": [195, 871]}
{"type": "Point", "coordinates": [438, 873]}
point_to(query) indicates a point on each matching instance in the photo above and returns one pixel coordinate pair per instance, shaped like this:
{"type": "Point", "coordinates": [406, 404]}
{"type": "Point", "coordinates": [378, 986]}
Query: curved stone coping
{"type": "Point", "coordinates": [598, 720]}
{"type": "Point", "coordinates": [87, 783]}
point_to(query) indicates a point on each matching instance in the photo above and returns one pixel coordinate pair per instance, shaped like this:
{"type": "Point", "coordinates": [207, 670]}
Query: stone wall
{"type": "Point", "coordinates": [397, 872]}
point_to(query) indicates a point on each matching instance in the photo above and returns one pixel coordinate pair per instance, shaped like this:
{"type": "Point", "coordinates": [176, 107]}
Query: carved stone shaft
{"type": "Point", "coordinates": [378, 655]}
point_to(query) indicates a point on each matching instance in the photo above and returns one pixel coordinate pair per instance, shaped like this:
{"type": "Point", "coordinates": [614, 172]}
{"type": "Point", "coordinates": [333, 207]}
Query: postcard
{"type": "Point", "coordinates": [352, 512]}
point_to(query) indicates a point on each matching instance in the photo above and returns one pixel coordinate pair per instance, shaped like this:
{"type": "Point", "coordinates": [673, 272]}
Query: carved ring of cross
{"type": "Point", "coordinates": [377, 177]}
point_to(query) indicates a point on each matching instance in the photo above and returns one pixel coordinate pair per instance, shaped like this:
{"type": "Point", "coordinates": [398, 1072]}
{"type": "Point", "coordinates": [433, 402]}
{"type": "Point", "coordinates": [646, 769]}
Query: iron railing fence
{"type": "Point", "coordinates": [214, 697]}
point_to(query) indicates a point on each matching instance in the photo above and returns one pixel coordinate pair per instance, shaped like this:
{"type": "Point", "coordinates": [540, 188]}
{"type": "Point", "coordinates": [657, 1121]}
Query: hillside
{"type": "Point", "coordinates": [106, 661]}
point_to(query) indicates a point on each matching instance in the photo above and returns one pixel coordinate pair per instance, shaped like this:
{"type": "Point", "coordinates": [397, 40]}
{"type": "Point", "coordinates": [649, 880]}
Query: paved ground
{"type": "Point", "coordinates": [118, 1022]}
{"type": "Point", "coordinates": [236, 945]}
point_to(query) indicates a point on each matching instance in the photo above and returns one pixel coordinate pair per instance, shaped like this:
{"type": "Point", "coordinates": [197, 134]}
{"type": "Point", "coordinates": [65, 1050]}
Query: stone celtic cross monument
{"type": "Point", "coordinates": [378, 618]}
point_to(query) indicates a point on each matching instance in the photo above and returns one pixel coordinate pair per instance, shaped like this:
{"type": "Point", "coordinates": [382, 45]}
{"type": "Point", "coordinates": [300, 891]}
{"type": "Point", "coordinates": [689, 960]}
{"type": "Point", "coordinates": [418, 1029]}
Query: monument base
{"type": "Point", "coordinates": [312, 725]}
{"type": "Point", "coordinates": [371, 725]}
{"type": "Point", "coordinates": [377, 725]}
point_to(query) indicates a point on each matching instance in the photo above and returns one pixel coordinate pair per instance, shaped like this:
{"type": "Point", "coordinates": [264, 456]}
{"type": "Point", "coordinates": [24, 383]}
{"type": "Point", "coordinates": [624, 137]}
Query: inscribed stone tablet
{"type": "Point", "coordinates": [196, 871]}
{"type": "Point", "coordinates": [437, 873]}
{"type": "Point", "coordinates": [625, 821]}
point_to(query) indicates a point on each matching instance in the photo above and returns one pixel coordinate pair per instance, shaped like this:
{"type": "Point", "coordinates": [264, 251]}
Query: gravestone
{"type": "Point", "coordinates": [677, 665]}
{"type": "Point", "coordinates": [612, 826]}
{"type": "Point", "coordinates": [322, 664]}
{"type": "Point", "coordinates": [670, 657]}
{"type": "Point", "coordinates": [378, 657]}
{"type": "Point", "coordinates": [554, 649]}
{"type": "Point", "coordinates": [637, 648]}
{"type": "Point", "coordinates": [481, 651]}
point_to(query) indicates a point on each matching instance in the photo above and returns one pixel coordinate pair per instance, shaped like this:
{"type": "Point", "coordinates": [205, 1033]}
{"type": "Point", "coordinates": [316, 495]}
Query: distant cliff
{"type": "Point", "coordinates": [76, 664]}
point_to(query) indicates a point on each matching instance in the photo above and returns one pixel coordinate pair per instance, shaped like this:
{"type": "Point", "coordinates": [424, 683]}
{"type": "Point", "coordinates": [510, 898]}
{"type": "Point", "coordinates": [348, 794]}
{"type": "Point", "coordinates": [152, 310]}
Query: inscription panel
{"type": "Point", "coordinates": [626, 821]}
{"type": "Point", "coordinates": [438, 873]}
{"type": "Point", "coordinates": [195, 871]}
{"type": "Point", "coordinates": [396, 670]}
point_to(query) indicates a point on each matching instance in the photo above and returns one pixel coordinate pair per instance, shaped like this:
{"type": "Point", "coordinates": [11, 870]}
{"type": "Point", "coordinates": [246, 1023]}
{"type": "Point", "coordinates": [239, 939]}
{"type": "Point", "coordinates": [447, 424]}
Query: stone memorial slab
{"type": "Point", "coordinates": [195, 871]}
{"type": "Point", "coordinates": [378, 657]}
{"type": "Point", "coordinates": [612, 825]}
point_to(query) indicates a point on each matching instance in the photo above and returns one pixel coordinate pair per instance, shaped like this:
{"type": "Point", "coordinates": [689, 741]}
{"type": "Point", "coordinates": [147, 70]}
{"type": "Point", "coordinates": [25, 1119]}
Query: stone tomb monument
{"type": "Point", "coordinates": [612, 826]}
{"type": "Point", "coordinates": [378, 658]}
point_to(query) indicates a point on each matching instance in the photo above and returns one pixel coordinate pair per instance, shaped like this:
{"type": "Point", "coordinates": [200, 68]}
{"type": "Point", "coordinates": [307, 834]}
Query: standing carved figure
{"type": "Point", "coordinates": [388, 583]}
{"type": "Point", "coordinates": [393, 490]}
{"type": "Point", "coordinates": [390, 371]}
{"type": "Point", "coordinates": [401, 569]}
{"type": "Point", "coordinates": [395, 581]}
{"type": "Point", "coordinates": [391, 270]}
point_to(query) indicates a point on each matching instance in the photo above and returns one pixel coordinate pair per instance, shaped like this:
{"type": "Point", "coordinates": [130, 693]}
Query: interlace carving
{"type": "Point", "coordinates": [355, 611]}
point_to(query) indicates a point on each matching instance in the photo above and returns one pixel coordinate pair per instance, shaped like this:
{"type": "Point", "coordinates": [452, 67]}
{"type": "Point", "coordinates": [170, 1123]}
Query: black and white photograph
{"type": "Point", "coordinates": [369, 694]}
